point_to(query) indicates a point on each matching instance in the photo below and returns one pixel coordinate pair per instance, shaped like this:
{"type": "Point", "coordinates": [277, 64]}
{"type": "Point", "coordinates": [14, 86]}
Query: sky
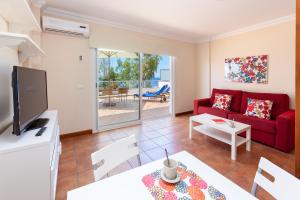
{"type": "Point", "coordinates": [164, 64]}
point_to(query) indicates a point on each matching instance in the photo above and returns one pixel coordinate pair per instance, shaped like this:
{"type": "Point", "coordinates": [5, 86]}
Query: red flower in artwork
{"type": "Point", "coordinates": [264, 58]}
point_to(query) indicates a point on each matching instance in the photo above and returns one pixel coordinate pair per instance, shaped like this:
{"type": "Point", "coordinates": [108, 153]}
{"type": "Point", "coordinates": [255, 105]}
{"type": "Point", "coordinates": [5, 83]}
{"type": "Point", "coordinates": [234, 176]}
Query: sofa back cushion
{"type": "Point", "coordinates": [280, 102]}
{"type": "Point", "coordinates": [222, 101]}
{"type": "Point", "coordinates": [236, 99]}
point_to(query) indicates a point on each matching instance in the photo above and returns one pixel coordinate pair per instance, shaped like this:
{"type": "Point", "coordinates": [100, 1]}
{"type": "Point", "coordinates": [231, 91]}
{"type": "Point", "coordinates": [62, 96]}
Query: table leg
{"type": "Point", "coordinates": [248, 139]}
{"type": "Point", "coordinates": [233, 146]}
{"type": "Point", "coordinates": [190, 128]}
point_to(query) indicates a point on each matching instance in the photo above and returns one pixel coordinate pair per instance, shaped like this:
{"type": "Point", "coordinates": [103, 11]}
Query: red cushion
{"type": "Point", "coordinates": [268, 126]}
{"type": "Point", "coordinates": [213, 111]}
{"type": "Point", "coordinates": [280, 102]}
{"type": "Point", "coordinates": [235, 100]}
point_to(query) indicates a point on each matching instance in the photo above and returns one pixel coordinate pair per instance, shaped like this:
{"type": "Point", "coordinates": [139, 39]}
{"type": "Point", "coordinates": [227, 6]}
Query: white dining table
{"type": "Point", "coordinates": [129, 185]}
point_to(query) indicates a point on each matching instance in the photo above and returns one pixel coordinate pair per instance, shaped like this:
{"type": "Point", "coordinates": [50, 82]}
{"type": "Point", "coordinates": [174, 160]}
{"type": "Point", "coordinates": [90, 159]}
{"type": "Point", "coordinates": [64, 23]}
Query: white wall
{"type": "Point", "coordinates": [277, 41]}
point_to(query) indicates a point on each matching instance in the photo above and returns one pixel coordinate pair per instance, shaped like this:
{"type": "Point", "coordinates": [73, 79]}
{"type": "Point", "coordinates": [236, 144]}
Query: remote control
{"type": "Point", "coordinates": [41, 131]}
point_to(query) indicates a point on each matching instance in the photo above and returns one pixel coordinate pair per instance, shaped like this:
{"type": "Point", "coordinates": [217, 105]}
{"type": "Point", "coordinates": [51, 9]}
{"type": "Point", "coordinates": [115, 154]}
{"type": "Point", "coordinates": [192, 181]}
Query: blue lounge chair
{"type": "Point", "coordinates": [158, 94]}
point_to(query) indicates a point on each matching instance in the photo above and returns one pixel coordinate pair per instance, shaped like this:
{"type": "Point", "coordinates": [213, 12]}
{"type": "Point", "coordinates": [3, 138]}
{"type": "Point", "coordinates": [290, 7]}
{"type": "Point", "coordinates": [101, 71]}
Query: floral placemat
{"type": "Point", "coordinates": [190, 187]}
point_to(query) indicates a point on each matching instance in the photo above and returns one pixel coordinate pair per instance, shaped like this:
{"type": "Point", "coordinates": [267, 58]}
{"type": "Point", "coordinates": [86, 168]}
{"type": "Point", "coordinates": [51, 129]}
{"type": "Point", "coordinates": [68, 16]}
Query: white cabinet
{"type": "Point", "coordinates": [29, 164]}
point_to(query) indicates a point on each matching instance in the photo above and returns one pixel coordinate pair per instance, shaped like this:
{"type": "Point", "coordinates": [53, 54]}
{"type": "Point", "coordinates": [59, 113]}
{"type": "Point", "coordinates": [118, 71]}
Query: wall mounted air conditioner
{"type": "Point", "coordinates": [51, 24]}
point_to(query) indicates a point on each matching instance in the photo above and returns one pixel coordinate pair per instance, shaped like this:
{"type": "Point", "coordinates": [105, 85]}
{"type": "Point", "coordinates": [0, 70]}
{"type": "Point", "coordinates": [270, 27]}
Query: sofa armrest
{"type": "Point", "coordinates": [285, 131]}
{"type": "Point", "coordinates": [201, 102]}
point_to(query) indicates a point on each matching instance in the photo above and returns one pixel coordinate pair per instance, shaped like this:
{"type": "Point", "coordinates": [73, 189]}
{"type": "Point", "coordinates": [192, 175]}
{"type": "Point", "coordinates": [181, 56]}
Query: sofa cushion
{"type": "Point", "coordinates": [280, 102]}
{"type": "Point", "coordinates": [213, 111]}
{"type": "Point", "coordinates": [268, 126]}
{"type": "Point", "coordinates": [222, 101]}
{"type": "Point", "coordinates": [259, 108]}
{"type": "Point", "coordinates": [235, 100]}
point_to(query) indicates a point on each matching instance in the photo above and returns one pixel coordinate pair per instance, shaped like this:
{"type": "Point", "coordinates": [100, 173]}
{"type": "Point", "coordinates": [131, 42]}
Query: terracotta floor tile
{"type": "Point", "coordinates": [116, 135]}
{"type": "Point", "coordinates": [144, 160]}
{"type": "Point", "coordinates": [155, 154]}
{"type": "Point", "coordinates": [67, 168]}
{"type": "Point", "coordinates": [86, 150]}
{"type": "Point", "coordinates": [84, 164]}
{"type": "Point", "coordinates": [67, 155]}
{"type": "Point", "coordinates": [141, 137]}
{"type": "Point", "coordinates": [153, 136]}
{"type": "Point", "coordinates": [85, 178]}
{"type": "Point", "coordinates": [65, 184]}
{"type": "Point", "coordinates": [173, 148]}
{"type": "Point", "coordinates": [67, 144]}
{"type": "Point", "coordinates": [223, 164]}
{"type": "Point", "coordinates": [261, 194]}
{"type": "Point", "coordinates": [171, 137]}
{"type": "Point", "coordinates": [100, 137]}
{"type": "Point", "coordinates": [165, 131]}
{"type": "Point", "coordinates": [147, 145]}
{"type": "Point", "coordinates": [161, 141]}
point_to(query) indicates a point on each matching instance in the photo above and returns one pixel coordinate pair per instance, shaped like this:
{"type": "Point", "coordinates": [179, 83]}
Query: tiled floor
{"type": "Point", "coordinates": [155, 135]}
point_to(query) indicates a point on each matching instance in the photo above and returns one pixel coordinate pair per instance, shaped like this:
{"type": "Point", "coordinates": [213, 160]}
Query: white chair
{"type": "Point", "coordinates": [109, 157]}
{"type": "Point", "coordinates": [285, 186]}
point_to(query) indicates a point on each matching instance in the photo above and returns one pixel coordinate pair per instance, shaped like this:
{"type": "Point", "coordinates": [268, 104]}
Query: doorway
{"type": "Point", "coordinates": [156, 86]}
{"type": "Point", "coordinates": [131, 87]}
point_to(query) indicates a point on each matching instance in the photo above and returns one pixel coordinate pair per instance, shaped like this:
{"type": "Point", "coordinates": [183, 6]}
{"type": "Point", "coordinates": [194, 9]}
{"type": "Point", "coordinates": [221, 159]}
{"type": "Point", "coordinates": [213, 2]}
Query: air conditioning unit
{"type": "Point", "coordinates": [51, 24]}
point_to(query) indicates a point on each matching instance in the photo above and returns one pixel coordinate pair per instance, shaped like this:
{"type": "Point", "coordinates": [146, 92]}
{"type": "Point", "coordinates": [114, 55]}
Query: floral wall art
{"type": "Point", "coordinates": [251, 69]}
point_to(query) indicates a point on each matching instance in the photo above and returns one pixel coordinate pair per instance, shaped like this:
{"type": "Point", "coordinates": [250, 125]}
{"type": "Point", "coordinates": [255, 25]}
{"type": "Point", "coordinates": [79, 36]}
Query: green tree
{"type": "Point", "coordinates": [150, 64]}
{"type": "Point", "coordinates": [127, 69]}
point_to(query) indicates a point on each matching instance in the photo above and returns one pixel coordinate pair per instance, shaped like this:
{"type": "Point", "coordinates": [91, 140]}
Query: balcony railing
{"type": "Point", "coordinates": [131, 84]}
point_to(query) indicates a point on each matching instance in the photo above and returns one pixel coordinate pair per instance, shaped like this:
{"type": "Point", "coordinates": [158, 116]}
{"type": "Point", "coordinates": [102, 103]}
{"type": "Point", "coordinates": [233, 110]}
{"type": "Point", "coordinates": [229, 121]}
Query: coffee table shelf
{"type": "Point", "coordinates": [219, 135]}
{"type": "Point", "coordinates": [222, 132]}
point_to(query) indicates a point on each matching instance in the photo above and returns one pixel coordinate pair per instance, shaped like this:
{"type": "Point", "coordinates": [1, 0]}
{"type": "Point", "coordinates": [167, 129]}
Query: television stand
{"type": "Point", "coordinates": [37, 123]}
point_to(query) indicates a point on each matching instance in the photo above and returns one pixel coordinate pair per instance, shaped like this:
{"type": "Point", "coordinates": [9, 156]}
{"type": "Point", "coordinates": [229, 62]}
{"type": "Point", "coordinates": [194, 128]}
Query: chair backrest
{"type": "Point", "coordinates": [122, 90]}
{"type": "Point", "coordinates": [107, 91]}
{"type": "Point", "coordinates": [284, 186]}
{"type": "Point", "coordinates": [167, 90]}
{"type": "Point", "coordinates": [109, 157]}
{"type": "Point", "coordinates": [161, 90]}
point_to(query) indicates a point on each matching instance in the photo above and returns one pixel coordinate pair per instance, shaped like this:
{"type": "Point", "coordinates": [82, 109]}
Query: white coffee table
{"type": "Point", "coordinates": [222, 132]}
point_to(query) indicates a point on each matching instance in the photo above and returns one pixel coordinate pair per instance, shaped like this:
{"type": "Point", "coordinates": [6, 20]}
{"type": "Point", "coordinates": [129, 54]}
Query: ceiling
{"type": "Point", "coordinates": [192, 20]}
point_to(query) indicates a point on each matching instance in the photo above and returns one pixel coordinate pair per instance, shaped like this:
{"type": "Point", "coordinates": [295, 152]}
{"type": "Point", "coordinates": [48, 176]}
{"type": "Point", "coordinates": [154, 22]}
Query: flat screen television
{"type": "Point", "coordinates": [29, 98]}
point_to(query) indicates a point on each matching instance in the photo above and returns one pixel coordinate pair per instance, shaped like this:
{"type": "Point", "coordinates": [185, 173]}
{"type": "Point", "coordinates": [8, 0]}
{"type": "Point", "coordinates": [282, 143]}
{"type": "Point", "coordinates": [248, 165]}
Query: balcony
{"type": "Point", "coordinates": [120, 102]}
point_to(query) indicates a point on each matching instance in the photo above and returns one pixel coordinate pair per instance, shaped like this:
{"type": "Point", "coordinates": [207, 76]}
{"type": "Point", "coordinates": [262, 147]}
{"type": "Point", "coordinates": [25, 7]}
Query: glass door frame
{"type": "Point", "coordinates": [97, 127]}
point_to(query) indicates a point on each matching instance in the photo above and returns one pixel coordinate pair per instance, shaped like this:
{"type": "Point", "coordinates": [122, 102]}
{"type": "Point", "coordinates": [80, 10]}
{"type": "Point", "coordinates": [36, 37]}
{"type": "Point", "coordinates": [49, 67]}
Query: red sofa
{"type": "Point", "coordinates": [278, 132]}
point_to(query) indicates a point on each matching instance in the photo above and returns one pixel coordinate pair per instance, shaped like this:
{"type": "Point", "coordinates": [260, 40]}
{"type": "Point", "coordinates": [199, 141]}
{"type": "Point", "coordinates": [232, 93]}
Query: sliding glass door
{"type": "Point", "coordinates": [129, 85]}
{"type": "Point", "coordinates": [118, 81]}
{"type": "Point", "coordinates": [156, 86]}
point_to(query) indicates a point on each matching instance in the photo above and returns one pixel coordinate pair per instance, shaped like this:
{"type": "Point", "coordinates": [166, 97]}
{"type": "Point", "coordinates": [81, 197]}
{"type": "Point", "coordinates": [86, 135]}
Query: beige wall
{"type": "Point", "coordinates": [66, 74]}
{"type": "Point", "coordinates": [202, 71]}
{"type": "Point", "coordinates": [277, 41]}
{"type": "Point", "coordinates": [69, 80]}
{"type": "Point", "coordinates": [184, 53]}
